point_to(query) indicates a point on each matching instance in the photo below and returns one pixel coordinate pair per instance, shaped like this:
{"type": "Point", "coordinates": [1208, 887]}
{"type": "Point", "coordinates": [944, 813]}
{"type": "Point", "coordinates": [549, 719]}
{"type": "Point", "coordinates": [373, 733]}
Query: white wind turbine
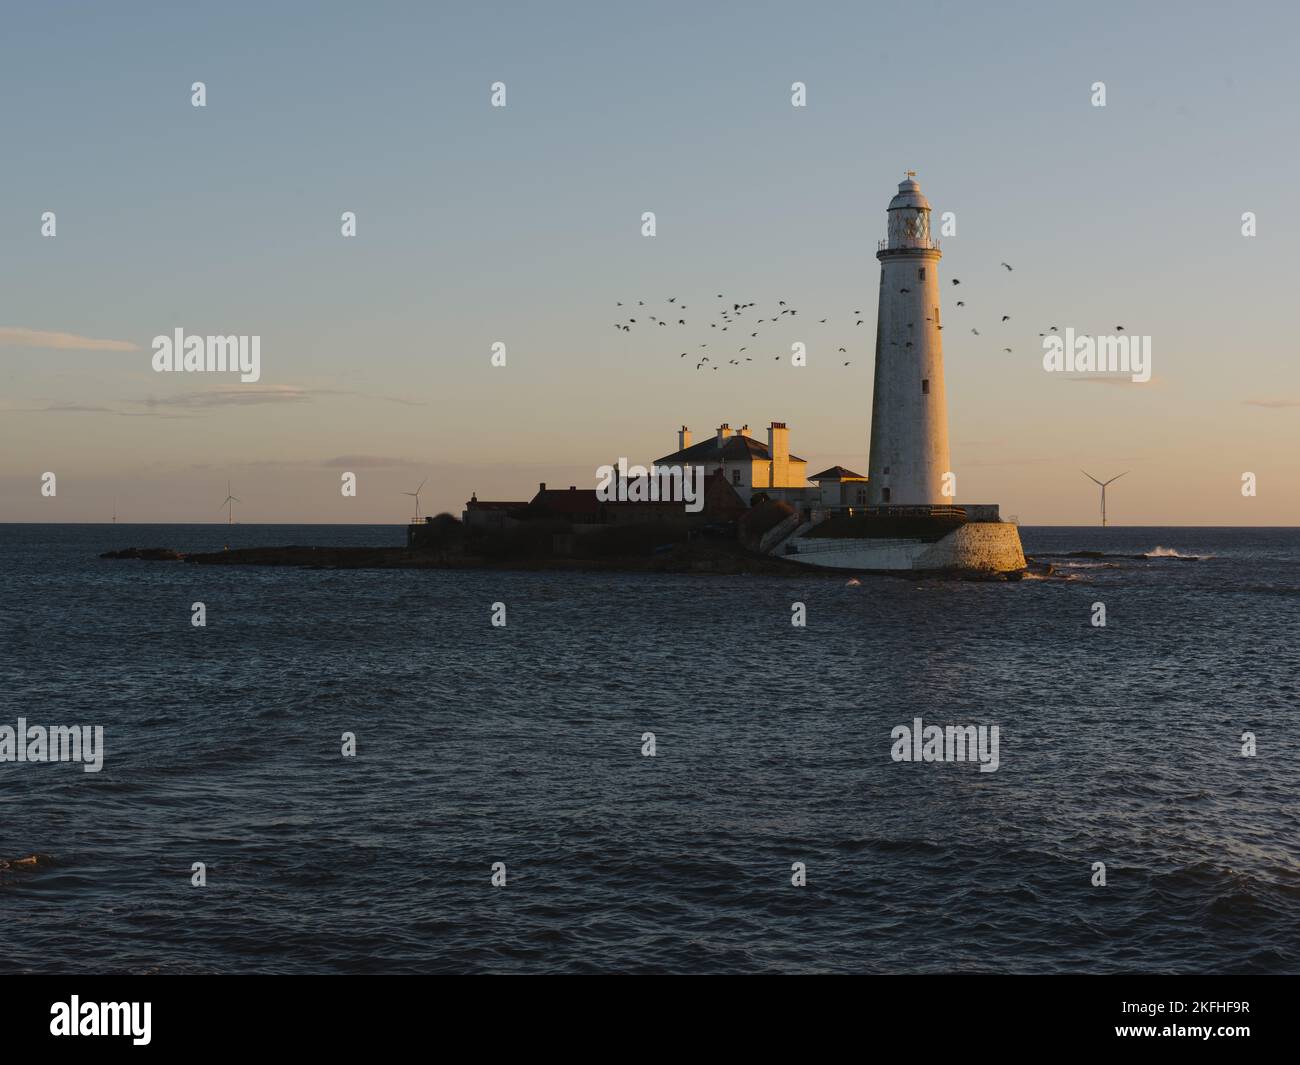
{"type": "Point", "coordinates": [416, 494]}
{"type": "Point", "coordinates": [1103, 490]}
{"type": "Point", "coordinates": [228, 503]}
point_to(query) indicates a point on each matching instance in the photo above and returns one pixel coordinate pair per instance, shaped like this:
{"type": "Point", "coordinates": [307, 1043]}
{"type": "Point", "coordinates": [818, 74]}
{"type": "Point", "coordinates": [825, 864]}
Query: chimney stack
{"type": "Point", "coordinates": [724, 431]}
{"type": "Point", "coordinates": [778, 444]}
{"type": "Point", "coordinates": [683, 438]}
{"type": "Point", "coordinates": [542, 487]}
{"type": "Point", "coordinates": [744, 430]}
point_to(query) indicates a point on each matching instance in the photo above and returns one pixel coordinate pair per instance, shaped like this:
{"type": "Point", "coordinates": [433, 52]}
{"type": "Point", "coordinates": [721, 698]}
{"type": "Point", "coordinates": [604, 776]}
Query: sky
{"type": "Point", "coordinates": [523, 225]}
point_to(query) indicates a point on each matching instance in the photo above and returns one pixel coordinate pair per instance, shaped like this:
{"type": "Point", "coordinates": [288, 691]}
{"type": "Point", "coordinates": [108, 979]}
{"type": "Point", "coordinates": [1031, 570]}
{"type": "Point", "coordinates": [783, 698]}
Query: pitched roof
{"type": "Point", "coordinates": [485, 504]}
{"type": "Point", "coordinates": [837, 473]}
{"type": "Point", "coordinates": [567, 501]}
{"type": "Point", "coordinates": [735, 447]}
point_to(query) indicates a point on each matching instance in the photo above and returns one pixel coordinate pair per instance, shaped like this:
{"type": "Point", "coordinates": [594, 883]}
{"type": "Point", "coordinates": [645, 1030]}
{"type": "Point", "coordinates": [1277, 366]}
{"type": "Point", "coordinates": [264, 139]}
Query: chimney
{"type": "Point", "coordinates": [778, 444]}
{"type": "Point", "coordinates": [573, 488]}
{"type": "Point", "coordinates": [724, 431]}
{"type": "Point", "coordinates": [683, 438]}
{"type": "Point", "coordinates": [744, 430]}
{"type": "Point", "coordinates": [542, 487]}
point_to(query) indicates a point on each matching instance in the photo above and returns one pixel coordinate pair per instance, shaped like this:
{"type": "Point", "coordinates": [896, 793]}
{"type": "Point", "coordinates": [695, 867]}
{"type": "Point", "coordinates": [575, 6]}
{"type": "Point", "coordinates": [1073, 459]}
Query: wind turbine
{"type": "Point", "coordinates": [1103, 490]}
{"type": "Point", "coordinates": [416, 494]}
{"type": "Point", "coordinates": [228, 504]}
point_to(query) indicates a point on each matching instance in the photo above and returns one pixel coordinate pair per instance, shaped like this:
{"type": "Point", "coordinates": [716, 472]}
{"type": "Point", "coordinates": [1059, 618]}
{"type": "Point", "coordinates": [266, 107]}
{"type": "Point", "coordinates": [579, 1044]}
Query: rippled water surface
{"type": "Point", "coordinates": [522, 745]}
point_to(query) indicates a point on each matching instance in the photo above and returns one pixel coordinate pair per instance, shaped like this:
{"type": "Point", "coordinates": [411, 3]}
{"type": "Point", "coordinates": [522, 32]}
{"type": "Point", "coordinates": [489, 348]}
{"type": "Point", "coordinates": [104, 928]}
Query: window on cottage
{"type": "Point", "coordinates": [884, 492]}
{"type": "Point", "coordinates": [735, 477]}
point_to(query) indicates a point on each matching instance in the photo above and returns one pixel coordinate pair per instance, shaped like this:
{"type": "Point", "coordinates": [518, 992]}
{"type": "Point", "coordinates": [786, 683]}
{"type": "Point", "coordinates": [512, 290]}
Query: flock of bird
{"type": "Point", "coordinates": [737, 317]}
{"type": "Point", "coordinates": [733, 316]}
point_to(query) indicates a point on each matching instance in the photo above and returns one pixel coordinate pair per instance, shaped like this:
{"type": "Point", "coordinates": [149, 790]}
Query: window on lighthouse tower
{"type": "Point", "coordinates": [925, 387]}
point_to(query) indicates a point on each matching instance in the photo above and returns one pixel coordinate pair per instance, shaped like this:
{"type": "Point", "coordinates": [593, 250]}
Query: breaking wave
{"type": "Point", "coordinates": [1173, 552]}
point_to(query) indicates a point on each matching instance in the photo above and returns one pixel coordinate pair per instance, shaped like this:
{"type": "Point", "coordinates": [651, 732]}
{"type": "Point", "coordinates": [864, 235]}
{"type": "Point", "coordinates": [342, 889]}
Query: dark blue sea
{"type": "Point", "coordinates": [522, 745]}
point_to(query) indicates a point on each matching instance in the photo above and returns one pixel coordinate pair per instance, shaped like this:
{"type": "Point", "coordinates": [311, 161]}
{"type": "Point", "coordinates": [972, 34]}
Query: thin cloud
{"type": "Point", "coordinates": [367, 462]}
{"type": "Point", "coordinates": [197, 403]}
{"type": "Point", "coordinates": [1274, 404]}
{"type": "Point", "coordinates": [62, 408]}
{"type": "Point", "coordinates": [235, 396]}
{"type": "Point", "coordinates": [1106, 379]}
{"type": "Point", "coordinates": [11, 336]}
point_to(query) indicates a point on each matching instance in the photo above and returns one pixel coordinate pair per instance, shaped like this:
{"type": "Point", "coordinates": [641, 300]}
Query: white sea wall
{"type": "Point", "coordinates": [977, 547]}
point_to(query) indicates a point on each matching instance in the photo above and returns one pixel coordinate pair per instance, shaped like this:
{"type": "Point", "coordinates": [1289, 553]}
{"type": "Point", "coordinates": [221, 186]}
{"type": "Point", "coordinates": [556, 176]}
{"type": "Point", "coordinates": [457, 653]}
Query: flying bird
{"type": "Point", "coordinates": [1007, 265]}
{"type": "Point", "coordinates": [976, 332]}
{"type": "Point", "coordinates": [960, 303]}
{"type": "Point", "coordinates": [1006, 317]}
{"type": "Point", "coordinates": [956, 281]}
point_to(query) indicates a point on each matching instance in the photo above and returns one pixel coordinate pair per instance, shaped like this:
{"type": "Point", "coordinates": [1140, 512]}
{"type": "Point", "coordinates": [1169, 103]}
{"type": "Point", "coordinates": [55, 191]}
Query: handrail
{"type": "Point", "coordinates": [928, 244]}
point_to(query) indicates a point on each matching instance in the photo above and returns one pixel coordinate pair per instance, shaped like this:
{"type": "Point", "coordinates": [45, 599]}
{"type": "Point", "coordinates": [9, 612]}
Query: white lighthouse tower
{"type": "Point", "coordinates": [909, 408]}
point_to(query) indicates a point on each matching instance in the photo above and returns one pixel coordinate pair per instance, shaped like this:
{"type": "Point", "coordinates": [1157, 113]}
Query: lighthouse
{"type": "Point", "coordinates": [909, 408]}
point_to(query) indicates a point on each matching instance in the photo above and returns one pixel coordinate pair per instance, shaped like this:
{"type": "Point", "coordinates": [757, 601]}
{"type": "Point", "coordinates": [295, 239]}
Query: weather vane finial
{"type": "Point", "coordinates": [911, 173]}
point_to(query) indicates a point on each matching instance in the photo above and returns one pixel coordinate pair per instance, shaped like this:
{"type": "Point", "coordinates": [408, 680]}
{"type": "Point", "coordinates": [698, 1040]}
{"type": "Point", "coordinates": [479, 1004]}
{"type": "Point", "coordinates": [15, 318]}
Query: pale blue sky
{"type": "Point", "coordinates": [522, 225]}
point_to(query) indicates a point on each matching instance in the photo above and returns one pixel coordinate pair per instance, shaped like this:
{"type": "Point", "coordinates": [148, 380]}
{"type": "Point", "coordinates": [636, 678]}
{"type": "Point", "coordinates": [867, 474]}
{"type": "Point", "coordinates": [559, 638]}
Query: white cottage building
{"type": "Point", "coordinates": [749, 465]}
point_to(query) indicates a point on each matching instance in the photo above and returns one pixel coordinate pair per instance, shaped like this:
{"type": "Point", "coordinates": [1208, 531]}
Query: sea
{"type": "Point", "coordinates": [631, 774]}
